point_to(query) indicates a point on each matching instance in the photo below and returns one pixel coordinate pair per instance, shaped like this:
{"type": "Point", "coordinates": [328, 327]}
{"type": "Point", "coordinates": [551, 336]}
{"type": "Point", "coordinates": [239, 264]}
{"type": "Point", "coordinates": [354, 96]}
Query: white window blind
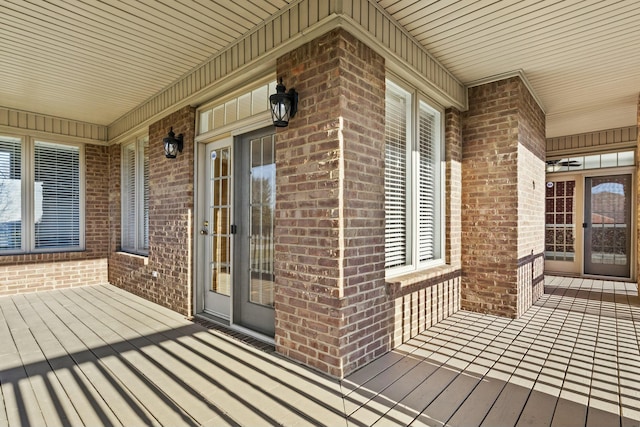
{"type": "Point", "coordinates": [10, 194]}
{"type": "Point", "coordinates": [57, 188]}
{"type": "Point", "coordinates": [135, 196]}
{"type": "Point", "coordinates": [395, 177]}
{"type": "Point", "coordinates": [145, 197]}
{"type": "Point", "coordinates": [413, 213]}
{"type": "Point", "coordinates": [129, 196]}
{"type": "Point", "coordinates": [428, 205]}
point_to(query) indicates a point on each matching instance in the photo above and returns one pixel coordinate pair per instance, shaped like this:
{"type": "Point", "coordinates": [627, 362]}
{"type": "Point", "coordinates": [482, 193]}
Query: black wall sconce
{"type": "Point", "coordinates": [172, 144]}
{"type": "Point", "coordinates": [284, 105]}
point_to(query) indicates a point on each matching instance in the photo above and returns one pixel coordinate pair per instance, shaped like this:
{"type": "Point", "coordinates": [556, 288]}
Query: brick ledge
{"type": "Point", "coordinates": [136, 258]}
{"type": "Point", "coordinates": [417, 280]}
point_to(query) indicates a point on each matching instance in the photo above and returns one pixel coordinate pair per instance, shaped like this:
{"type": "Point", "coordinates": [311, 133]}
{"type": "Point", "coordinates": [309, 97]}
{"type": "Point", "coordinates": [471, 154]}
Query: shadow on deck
{"type": "Point", "coordinates": [100, 356]}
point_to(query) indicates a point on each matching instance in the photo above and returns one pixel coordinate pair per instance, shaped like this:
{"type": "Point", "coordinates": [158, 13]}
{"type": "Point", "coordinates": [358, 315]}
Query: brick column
{"type": "Point", "coordinates": [503, 177]}
{"type": "Point", "coordinates": [332, 311]}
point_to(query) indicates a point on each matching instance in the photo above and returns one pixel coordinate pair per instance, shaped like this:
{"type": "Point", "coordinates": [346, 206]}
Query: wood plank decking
{"type": "Point", "coordinates": [100, 356]}
{"type": "Point", "coordinates": [572, 360]}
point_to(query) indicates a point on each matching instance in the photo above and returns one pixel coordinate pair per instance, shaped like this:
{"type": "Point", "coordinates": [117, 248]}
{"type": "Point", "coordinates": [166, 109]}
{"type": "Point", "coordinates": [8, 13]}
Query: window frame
{"type": "Point", "coordinates": [28, 205]}
{"type": "Point", "coordinates": [138, 145]}
{"type": "Point", "coordinates": [417, 101]}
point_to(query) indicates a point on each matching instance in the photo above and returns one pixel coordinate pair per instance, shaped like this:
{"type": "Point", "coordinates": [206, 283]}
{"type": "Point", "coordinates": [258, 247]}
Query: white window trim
{"type": "Point", "coordinates": [138, 145]}
{"type": "Point", "coordinates": [413, 264]}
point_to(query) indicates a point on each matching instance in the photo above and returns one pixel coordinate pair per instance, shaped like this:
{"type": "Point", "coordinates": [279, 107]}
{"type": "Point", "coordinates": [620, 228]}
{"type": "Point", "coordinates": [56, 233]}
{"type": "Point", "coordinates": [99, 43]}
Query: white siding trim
{"type": "Point", "coordinates": [43, 126]}
{"type": "Point", "coordinates": [255, 54]}
{"type": "Point", "coordinates": [606, 140]}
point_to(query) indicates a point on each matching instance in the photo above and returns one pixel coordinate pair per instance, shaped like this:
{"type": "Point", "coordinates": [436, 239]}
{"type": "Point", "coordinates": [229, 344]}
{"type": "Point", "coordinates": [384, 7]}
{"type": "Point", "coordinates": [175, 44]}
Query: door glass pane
{"type": "Point", "coordinates": [560, 216]}
{"type": "Point", "coordinates": [609, 160]}
{"type": "Point", "coordinates": [626, 158]}
{"type": "Point", "coordinates": [219, 212]}
{"type": "Point", "coordinates": [610, 197]}
{"type": "Point", "coordinates": [262, 200]}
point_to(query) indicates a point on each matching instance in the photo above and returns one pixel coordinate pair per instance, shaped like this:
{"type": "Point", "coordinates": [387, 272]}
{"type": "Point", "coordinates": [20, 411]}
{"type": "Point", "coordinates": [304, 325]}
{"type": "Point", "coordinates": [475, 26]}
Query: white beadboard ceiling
{"type": "Point", "coordinates": [94, 61]}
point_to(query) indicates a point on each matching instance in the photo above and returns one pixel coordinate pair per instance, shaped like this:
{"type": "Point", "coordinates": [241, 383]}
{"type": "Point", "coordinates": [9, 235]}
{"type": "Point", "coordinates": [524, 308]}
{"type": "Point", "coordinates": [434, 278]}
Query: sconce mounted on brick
{"type": "Point", "coordinates": [284, 105]}
{"type": "Point", "coordinates": [172, 144]}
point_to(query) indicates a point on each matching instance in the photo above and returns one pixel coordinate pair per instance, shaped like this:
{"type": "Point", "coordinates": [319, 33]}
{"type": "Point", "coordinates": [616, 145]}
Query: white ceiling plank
{"type": "Point", "coordinates": [98, 59]}
{"type": "Point", "coordinates": [555, 19]}
{"type": "Point", "coordinates": [575, 50]}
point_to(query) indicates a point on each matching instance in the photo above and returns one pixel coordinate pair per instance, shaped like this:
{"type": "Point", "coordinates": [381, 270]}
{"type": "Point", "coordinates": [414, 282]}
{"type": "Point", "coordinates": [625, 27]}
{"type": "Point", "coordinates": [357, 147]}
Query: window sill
{"type": "Point", "coordinates": [417, 280]}
{"type": "Point", "coordinates": [43, 252]}
{"type": "Point", "coordinates": [135, 258]}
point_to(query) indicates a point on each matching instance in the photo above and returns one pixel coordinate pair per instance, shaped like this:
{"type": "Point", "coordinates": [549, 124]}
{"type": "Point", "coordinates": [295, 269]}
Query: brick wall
{"type": "Point", "coordinates": [502, 196]}
{"type": "Point", "coordinates": [39, 272]}
{"type": "Point", "coordinates": [531, 229]}
{"type": "Point", "coordinates": [531, 199]}
{"type": "Point", "coordinates": [453, 187]}
{"type": "Point", "coordinates": [170, 220]}
{"type": "Point", "coordinates": [332, 311]}
{"type": "Point", "coordinates": [421, 300]}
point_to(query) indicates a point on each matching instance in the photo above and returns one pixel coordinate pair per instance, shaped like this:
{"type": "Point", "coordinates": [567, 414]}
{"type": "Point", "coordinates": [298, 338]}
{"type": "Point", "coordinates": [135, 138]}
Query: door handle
{"type": "Point", "coordinates": [204, 232]}
{"type": "Point", "coordinates": [234, 229]}
{"type": "Point", "coordinates": [585, 225]}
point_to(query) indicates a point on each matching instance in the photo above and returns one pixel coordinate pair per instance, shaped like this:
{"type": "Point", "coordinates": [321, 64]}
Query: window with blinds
{"type": "Point", "coordinates": [135, 197]}
{"type": "Point", "coordinates": [41, 196]}
{"type": "Point", "coordinates": [428, 226]}
{"type": "Point", "coordinates": [57, 196]}
{"type": "Point", "coordinates": [413, 230]}
{"type": "Point", "coordinates": [397, 106]}
{"type": "Point", "coordinates": [10, 194]}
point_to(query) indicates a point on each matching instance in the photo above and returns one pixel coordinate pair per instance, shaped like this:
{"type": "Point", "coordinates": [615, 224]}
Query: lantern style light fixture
{"type": "Point", "coordinates": [172, 144]}
{"type": "Point", "coordinates": [284, 105]}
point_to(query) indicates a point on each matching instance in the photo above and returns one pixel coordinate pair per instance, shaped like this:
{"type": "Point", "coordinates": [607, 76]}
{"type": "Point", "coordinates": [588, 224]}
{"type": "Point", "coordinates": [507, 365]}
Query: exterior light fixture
{"type": "Point", "coordinates": [172, 144]}
{"type": "Point", "coordinates": [284, 105]}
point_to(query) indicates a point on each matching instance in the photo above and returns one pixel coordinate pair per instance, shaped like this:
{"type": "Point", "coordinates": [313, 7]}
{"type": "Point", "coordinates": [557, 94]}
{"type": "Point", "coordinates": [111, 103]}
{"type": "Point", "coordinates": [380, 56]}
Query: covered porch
{"type": "Point", "coordinates": [97, 355]}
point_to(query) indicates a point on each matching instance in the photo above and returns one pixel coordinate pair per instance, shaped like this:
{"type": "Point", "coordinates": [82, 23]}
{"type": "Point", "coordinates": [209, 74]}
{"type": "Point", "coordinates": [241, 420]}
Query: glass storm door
{"type": "Point", "coordinates": [255, 202]}
{"type": "Point", "coordinates": [607, 226]}
{"type": "Point", "coordinates": [216, 229]}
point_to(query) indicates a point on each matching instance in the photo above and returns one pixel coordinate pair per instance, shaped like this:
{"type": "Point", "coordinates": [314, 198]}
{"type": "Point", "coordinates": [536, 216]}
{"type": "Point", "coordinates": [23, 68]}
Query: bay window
{"type": "Point", "coordinates": [413, 182]}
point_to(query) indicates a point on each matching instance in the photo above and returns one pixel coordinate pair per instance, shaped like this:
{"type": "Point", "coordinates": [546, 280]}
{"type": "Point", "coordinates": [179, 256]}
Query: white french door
{"type": "Point", "coordinates": [216, 230]}
{"type": "Point", "coordinates": [255, 202]}
{"type": "Point", "coordinates": [236, 232]}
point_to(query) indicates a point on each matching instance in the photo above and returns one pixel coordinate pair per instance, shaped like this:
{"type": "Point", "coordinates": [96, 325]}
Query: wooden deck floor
{"type": "Point", "coordinates": [100, 356]}
{"type": "Point", "coordinates": [572, 360]}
